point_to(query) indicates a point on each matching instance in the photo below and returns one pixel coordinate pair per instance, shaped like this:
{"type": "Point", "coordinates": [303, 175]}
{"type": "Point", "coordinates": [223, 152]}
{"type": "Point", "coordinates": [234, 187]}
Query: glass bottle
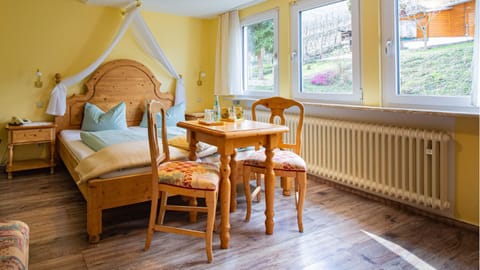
{"type": "Point", "coordinates": [216, 109]}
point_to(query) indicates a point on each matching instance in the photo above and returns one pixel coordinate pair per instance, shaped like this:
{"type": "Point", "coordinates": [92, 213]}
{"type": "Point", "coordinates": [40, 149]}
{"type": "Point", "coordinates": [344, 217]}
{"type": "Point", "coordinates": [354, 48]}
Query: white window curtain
{"type": "Point", "coordinates": [476, 58]}
{"type": "Point", "coordinates": [228, 68]}
{"type": "Point", "coordinates": [144, 37]}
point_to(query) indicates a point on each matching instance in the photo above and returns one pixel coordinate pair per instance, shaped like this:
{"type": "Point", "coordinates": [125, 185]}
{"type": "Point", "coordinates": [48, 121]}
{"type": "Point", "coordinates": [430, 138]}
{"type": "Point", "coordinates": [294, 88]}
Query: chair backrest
{"type": "Point", "coordinates": [277, 106]}
{"type": "Point", "coordinates": [155, 108]}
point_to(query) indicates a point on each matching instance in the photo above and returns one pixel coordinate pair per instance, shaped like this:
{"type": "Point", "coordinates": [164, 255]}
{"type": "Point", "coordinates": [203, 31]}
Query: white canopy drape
{"type": "Point", "coordinates": [147, 41]}
{"type": "Point", "coordinates": [144, 37]}
{"type": "Point", "coordinates": [228, 58]}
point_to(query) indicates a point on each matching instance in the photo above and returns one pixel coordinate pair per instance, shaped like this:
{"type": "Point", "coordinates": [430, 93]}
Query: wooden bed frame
{"type": "Point", "coordinates": [113, 82]}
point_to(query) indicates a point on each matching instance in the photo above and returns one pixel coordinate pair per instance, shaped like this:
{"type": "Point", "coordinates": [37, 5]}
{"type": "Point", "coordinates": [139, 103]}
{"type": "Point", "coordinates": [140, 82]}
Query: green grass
{"type": "Point", "coordinates": [440, 71]}
{"type": "Point", "coordinates": [443, 70]}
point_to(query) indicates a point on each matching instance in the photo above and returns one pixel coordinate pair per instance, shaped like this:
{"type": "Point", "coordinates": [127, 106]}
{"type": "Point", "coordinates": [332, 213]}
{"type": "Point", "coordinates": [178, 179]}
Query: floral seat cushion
{"type": "Point", "coordinates": [14, 239]}
{"type": "Point", "coordinates": [283, 160]}
{"type": "Point", "coordinates": [189, 174]}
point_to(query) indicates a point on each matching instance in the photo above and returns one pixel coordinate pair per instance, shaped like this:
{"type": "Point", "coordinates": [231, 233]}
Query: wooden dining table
{"type": "Point", "coordinates": [227, 137]}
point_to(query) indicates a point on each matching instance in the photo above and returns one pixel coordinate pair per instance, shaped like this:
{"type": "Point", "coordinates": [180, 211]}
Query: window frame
{"type": "Point", "coordinates": [271, 14]}
{"type": "Point", "coordinates": [390, 66]}
{"type": "Point", "coordinates": [356, 97]}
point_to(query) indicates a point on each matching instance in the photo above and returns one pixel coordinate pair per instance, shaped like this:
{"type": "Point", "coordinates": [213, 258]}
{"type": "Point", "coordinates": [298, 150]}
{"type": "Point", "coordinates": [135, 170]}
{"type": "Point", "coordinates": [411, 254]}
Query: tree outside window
{"type": "Point", "coordinates": [259, 53]}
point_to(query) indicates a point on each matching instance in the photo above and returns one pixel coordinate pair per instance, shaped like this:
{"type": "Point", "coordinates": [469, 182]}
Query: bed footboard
{"type": "Point", "coordinates": [107, 193]}
{"type": "Point", "coordinates": [101, 194]}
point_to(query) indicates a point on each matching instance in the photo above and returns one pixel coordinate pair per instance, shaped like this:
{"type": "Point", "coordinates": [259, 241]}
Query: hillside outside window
{"type": "Point", "coordinates": [428, 53]}
{"type": "Point", "coordinates": [325, 51]}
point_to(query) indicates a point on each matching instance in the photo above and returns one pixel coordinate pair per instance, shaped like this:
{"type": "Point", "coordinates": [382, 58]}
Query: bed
{"type": "Point", "coordinates": [112, 83]}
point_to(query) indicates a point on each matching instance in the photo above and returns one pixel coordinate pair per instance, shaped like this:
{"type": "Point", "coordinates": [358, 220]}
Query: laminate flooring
{"type": "Point", "coordinates": [341, 231]}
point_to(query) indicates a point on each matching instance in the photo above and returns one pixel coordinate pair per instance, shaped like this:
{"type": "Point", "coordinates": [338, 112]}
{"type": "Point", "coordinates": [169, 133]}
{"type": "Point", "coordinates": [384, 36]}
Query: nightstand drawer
{"type": "Point", "coordinates": [34, 135]}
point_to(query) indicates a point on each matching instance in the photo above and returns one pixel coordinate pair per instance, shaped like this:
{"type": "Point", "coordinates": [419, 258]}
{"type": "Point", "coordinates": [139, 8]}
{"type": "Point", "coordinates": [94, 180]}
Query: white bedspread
{"type": "Point", "coordinates": [114, 157]}
{"type": "Point", "coordinates": [113, 163]}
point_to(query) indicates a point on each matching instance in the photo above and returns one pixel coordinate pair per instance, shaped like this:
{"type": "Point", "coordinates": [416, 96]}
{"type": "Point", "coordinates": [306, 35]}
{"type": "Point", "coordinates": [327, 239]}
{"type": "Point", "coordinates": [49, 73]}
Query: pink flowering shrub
{"type": "Point", "coordinates": [323, 78]}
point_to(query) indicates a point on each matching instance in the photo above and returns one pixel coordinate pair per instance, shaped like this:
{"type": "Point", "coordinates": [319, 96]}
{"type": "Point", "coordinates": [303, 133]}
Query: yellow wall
{"type": "Point", "coordinates": [466, 169]}
{"type": "Point", "coordinates": [370, 44]}
{"type": "Point", "coordinates": [67, 36]}
{"type": "Point", "coordinates": [466, 129]}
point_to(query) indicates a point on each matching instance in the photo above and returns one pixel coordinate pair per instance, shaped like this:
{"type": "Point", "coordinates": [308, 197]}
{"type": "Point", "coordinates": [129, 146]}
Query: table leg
{"type": "Point", "coordinates": [286, 185]}
{"type": "Point", "coordinates": [269, 188]}
{"type": "Point", "coordinates": [192, 141]}
{"type": "Point", "coordinates": [225, 186]}
{"type": "Point", "coordinates": [233, 182]}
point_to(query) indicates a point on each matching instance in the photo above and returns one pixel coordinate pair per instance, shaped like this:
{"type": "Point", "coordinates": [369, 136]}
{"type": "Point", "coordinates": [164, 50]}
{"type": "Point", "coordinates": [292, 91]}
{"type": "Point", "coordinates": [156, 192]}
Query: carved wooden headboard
{"type": "Point", "coordinates": [114, 82]}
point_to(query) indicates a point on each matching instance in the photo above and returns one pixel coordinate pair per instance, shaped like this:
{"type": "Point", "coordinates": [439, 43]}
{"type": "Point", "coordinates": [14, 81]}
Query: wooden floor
{"type": "Point", "coordinates": [342, 231]}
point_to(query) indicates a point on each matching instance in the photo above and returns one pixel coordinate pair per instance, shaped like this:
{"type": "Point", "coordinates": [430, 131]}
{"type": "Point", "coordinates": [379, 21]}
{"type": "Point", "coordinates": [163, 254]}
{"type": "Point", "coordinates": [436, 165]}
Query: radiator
{"type": "Point", "coordinates": [403, 164]}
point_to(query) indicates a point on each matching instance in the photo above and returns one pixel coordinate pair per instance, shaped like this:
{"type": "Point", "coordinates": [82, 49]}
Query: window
{"type": "Point", "coordinates": [428, 52]}
{"type": "Point", "coordinates": [326, 51]}
{"type": "Point", "coordinates": [259, 54]}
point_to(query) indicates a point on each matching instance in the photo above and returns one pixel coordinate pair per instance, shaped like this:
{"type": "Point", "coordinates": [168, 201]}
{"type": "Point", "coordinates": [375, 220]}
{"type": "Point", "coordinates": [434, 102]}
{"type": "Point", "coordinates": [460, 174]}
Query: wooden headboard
{"type": "Point", "coordinates": [114, 82]}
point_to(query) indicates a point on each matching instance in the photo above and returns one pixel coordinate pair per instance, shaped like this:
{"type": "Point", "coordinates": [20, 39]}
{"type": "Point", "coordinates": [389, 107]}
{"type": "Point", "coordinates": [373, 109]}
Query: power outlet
{"type": "Point", "coordinates": [199, 100]}
{"type": "Point", "coordinates": [39, 104]}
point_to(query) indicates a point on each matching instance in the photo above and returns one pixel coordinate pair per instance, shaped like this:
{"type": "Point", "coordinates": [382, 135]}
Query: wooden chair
{"type": "Point", "coordinates": [185, 178]}
{"type": "Point", "coordinates": [286, 159]}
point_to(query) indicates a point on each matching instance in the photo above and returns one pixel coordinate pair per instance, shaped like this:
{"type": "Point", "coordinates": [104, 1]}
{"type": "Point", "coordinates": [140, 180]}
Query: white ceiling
{"type": "Point", "coordinates": [192, 8]}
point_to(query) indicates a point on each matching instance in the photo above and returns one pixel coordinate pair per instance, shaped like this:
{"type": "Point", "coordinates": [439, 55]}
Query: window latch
{"type": "Point", "coordinates": [388, 47]}
{"type": "Point", "coordinates": [275, 59]}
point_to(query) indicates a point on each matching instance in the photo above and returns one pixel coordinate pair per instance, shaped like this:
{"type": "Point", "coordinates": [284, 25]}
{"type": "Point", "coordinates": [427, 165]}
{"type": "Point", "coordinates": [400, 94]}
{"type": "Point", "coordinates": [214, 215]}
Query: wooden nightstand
{"type": "Point", "coordinates": [31, 133]}
{"type": "Point", "coordinates": [194, 116]}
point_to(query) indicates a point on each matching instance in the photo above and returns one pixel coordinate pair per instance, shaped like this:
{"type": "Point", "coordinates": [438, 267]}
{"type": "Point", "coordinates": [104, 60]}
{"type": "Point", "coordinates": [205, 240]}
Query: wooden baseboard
{"type": "Point", "coordinates": [436, 217]}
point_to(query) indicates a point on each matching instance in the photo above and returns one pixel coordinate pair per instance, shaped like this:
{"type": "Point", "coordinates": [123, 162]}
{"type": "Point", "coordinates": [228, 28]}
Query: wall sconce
{"type": "Point", "coordinates": [201, 75]}
{"type": "Point", "coordinates": [38, 82]}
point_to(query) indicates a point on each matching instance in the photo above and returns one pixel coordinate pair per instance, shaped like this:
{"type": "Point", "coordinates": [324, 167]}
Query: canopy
{"type": "Point", "coordinates": [145, 39]}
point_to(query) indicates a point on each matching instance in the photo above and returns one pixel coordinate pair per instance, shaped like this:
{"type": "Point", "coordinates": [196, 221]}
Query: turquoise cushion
{"type": "Point", "coordinates": [174, 115]}
{"type": "Point", "coordinates": [95, 119]}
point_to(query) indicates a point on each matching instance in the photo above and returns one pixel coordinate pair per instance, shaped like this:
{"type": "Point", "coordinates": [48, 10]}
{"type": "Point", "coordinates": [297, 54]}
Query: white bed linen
{"type": "Point", "coordinates": [81, 150]}
{"type": "Point", "coordinates": [72, 140]}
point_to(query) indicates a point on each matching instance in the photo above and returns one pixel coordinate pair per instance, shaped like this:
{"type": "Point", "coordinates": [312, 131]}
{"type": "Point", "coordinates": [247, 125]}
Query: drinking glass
{"type": "Point", "coordinates": [238, 112]}
{"type": "Point", "coordinates": [209, 115]}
